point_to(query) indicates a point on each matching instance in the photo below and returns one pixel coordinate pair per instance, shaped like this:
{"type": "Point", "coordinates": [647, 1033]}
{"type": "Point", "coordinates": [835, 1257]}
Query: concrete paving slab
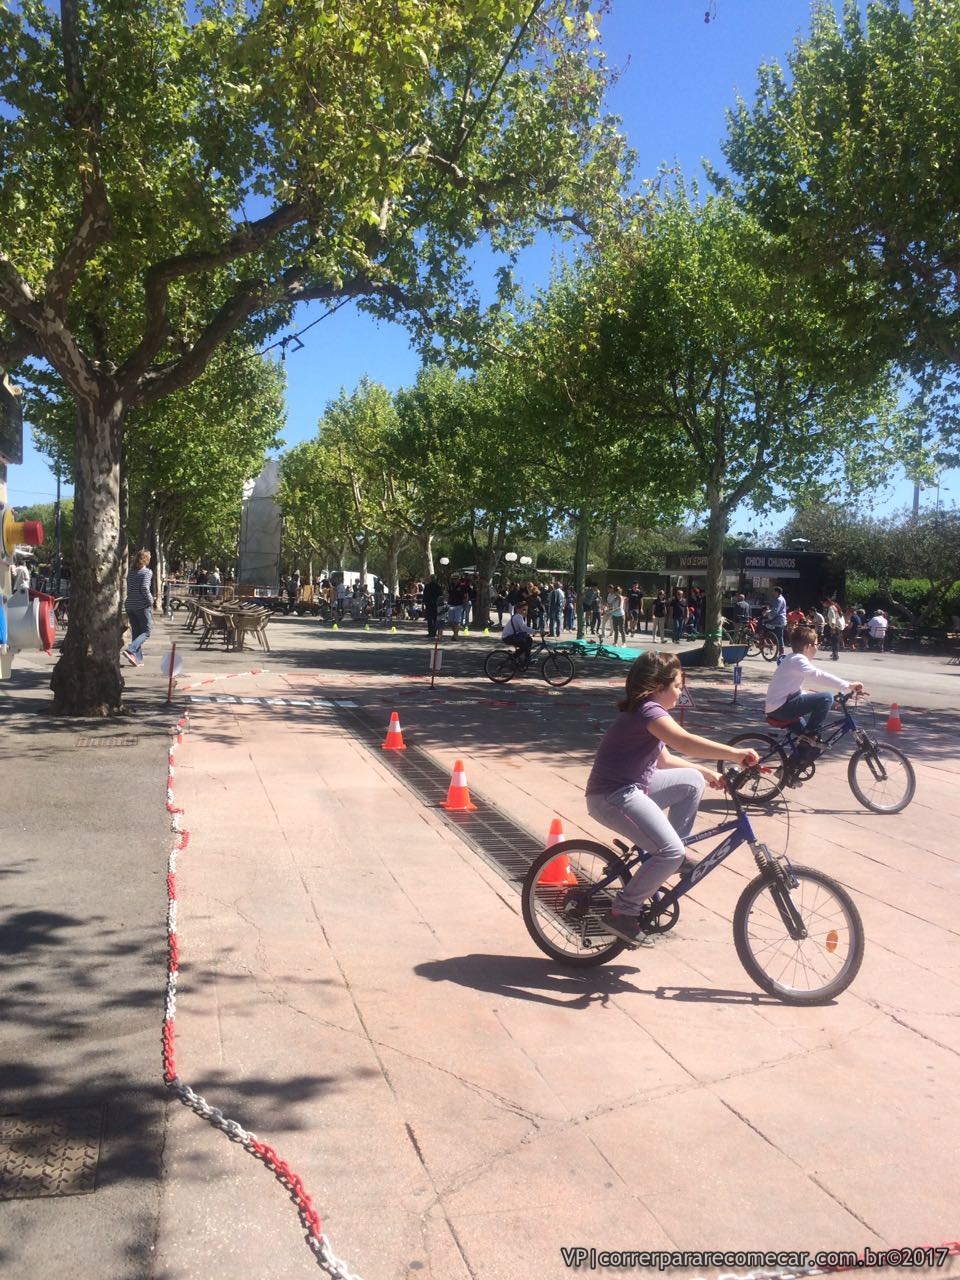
{"type": "Point", "coordinates": [359, 989]}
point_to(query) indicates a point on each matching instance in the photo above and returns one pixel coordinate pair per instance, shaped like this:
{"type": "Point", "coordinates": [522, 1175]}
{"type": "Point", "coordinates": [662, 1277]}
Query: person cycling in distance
{"type": "Point", "coordinates": [517, 634]}
{"type": "Point", "coordinates": [636, 778]}
{"type": "Point", "coordinates": [786, 699]}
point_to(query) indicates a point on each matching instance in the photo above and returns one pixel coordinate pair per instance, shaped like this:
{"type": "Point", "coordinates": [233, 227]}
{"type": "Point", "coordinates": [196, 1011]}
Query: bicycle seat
{"type": "Point", "coordinates": [781, 724]}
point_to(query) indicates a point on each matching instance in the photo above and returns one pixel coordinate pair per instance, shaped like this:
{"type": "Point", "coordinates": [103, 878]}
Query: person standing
{"type": "Point", "coordinates": [776, 620]}
{"type": "Point", "coordinates": [456, 597]}
{"type": "Point", "coordinates": [678, 614]}
{"type": "Point", "coordinates": [555, 608]}
{"type": "Point", "coordinates": [139, 607]}
{"type": "Point", "coordinates": [634, 608]}
{"type": "Point", "coordinates": [431, 604]}
{"type": "Point", "coordinates": [835, 627]}
{"type": "Point", "coordinates": [591, 608]}
{"type": "Point", "coordinates": [570, 610]}
{"type": "Point", "coordinates": [659, 617]}
{"type": "Point", "coordinates": [20, 577]}
{"type": "Point", "coordinates": [615, 605]}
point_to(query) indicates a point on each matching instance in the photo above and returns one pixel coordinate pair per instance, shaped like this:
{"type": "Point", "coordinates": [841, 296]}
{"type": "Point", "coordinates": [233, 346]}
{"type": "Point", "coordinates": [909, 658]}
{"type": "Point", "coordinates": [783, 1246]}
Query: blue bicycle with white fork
{"type": "Point", "coordinates": [881, 776]}
{"type": "Point", "coordinates": [797, 931]}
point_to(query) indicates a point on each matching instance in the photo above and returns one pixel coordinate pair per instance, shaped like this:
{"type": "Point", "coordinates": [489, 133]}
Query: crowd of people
{"type": "Point", "coordinates": [615, 611]}
{"type": "Point", "coordinates": [835, 627]}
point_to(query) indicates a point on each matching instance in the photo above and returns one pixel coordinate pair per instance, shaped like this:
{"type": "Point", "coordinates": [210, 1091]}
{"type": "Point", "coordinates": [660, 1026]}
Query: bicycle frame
{"type": "Point", "coordinates": [788, 742]}
{"type": "Point", "coordinates": [736, 832]}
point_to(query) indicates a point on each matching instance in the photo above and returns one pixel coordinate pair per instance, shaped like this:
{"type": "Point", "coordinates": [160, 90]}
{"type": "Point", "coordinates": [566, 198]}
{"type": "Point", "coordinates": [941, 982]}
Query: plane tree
{"type": "Point", "coordinates": [171, 176]}
{"type": "Point", "coordinates": [734, 358]}
{"type": "Point", "coordinates": [849, 156]}
{"type": "Point", "coordinates": [601, 458]}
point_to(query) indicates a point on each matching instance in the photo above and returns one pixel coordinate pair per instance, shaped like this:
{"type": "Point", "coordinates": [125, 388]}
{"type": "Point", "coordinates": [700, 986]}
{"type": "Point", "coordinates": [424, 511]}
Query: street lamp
{"type": "Point", "coordinates": [444, 559]}
{"type": "Point", "coordinates": [510, 557]}
{"type": "Point", "coordinates": [526, 560]}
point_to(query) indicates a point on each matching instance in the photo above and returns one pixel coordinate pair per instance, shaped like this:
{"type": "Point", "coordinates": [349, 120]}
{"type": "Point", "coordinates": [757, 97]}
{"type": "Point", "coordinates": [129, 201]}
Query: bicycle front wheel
{"type": "Point", "coordinates": [881, 777]}
{"type": "Point", "coordinates": [558, 669]}
{"type": "Point", "coordinates": [762, 782]}
{"type": "Point", "coordinates": [566, 891]}
{"type": "Point", "coordinates": [799, 970]}
{"type": "Point", "coordinates": [500, 666]}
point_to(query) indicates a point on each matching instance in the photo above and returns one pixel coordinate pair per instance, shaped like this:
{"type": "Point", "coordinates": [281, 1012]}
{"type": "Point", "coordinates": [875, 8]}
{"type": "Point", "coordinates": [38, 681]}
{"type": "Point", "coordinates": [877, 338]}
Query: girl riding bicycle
{"type": "Point", "coordinates": [635, 777]}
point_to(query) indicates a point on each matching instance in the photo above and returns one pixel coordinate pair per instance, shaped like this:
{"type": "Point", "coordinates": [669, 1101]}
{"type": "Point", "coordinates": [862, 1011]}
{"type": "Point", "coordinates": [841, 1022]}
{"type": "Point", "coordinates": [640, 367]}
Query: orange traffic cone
{"type": "Point", "coordinates": [894, 724]}
{"type": "Point", "coordinates": [458, 796]}
{"type": "Point", "coordinates": [558, 871]}
{"type": "Point", "coordinates": [556, 834]}
{"type": "Point", "coordinates": [394, 739]}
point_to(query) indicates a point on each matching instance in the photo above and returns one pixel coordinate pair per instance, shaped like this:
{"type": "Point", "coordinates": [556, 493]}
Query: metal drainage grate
{"type": "Point", "coordinates": [501, 842]}
{"type": "Point", "coordinates": [115, 741]}
{"type": "Point", "coordinates": [52, 1154]}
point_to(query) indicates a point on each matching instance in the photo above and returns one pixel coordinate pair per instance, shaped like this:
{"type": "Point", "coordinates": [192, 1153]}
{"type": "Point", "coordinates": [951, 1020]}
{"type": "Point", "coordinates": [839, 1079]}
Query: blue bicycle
{"type": "Point", "coordinates": [797, 931]}
{"type": "Point", "coordinates": [880, 776]}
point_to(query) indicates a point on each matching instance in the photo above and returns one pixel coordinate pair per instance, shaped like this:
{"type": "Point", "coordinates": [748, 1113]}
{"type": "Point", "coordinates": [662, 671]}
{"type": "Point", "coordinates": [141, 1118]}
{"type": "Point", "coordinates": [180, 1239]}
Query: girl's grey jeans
{"type": "Point", "coordinates": [640, 817]}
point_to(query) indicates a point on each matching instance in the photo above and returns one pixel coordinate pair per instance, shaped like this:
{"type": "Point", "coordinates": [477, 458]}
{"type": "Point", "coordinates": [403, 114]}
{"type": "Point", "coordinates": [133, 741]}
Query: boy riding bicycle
{"type": "Point", "coordinates": [788, 703]}
{"type": "Point", "coordinates": [517, 634]}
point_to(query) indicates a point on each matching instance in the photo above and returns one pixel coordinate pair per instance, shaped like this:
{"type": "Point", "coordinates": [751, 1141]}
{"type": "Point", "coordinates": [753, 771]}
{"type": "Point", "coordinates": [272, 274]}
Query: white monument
{"type": "Point", "coordinates": [261, 528]}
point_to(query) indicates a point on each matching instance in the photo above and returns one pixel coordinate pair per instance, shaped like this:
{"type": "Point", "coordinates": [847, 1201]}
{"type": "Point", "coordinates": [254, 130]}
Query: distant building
{"type": "Point", "coordinates": [261, 530]}
{"type": "Point", "coordinates": [805, 576]}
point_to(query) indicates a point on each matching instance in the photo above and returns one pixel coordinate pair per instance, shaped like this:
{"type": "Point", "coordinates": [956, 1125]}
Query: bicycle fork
{"type": "Point", "coordinates": [777, 875]}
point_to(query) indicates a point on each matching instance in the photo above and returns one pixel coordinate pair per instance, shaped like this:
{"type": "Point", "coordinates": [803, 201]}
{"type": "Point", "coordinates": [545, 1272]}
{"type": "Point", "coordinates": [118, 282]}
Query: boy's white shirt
{"type": "Point", "coordinates": [794, 674]}
{"type": "Point", "coordinates": [517, 626]}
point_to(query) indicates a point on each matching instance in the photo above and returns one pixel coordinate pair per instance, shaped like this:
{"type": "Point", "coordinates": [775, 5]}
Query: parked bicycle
{"type": "Point", "coordinates": [880, 776]}
{"type": "Point", "coordinates": [556, 667]}
{"type": "Point", "coordinates": [755, 636]}
{"type": "Point", "coordinates": [797, 932]}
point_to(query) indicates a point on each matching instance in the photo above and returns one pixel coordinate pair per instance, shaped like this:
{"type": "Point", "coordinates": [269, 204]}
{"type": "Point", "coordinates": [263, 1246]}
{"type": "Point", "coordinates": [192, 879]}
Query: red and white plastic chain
{"type": "Point", "coordinates": [230, 675]}
{"type": "Point", "coordinates": [308, 1215]}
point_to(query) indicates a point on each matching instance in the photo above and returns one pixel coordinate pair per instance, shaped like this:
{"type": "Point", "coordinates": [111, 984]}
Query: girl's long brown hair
{"type": "Point", "coordinates": [649, 674]}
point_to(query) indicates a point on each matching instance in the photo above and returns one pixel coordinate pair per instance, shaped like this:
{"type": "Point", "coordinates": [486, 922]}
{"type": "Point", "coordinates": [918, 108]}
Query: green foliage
{"type": "Point", "coordinates": [237, 160]}
{"type": "Point", "coordinates": [172, 177]}
{"type": "Point", "coordinates": [880, 553]}
{"type": "Point", "coordinates": [45, 512]}
{"type": "Point", "coordinates": [851, 156]}
{"type": "Point", "coordinates": [186, 458]}
{"type": "Point", "coordinates": [907, 598]}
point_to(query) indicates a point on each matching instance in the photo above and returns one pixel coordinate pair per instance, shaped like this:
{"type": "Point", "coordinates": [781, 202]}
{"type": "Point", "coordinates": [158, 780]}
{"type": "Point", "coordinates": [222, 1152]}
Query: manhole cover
{"type": "Point", "coordinates": [50, 1154]}
{"type": "Point", "coordinates": [115, 741]}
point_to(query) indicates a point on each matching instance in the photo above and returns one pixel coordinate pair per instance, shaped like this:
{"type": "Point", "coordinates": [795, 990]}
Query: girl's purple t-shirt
{"type": "Point", "coordinates": [628, 751]}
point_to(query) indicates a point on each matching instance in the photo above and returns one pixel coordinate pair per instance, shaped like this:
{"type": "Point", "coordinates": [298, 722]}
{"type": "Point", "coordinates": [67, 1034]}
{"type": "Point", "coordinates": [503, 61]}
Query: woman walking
{"type": "Point", "coordinates": [139, 607]}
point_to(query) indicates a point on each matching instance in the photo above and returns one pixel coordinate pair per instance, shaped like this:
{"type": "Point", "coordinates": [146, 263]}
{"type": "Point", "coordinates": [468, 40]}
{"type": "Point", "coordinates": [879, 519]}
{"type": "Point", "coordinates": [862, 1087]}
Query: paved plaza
{"type": "Point", "coordinates": [357, 986]}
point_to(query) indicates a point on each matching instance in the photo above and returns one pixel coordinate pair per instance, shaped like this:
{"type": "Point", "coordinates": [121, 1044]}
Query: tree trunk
{"type": "Point", "coordinates": [87, 680]}
{"type": "Point", "coordinates": [392, 546]}
{"type": "Point", "coordinates": [487, 558]}
{"type": "Point", "coordinates": [580, 569]}
{"type": "Point", "coordinates": [613, 542]}
{"type": "Point", "coordinates": [425, 541]}
{"type": "Point", "coordinates": [712, 618]}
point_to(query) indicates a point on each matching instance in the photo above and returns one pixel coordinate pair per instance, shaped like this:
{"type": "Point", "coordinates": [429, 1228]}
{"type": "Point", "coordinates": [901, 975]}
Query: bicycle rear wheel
{"type": "Point", "coordinates": [881, 777]}
{"type": "Point", "coordinates": [562, 903]}
{"type": "Point", "coordinates": [500, 666]}
{"type": "Point", "coordinates": [807, 970]}
{"type": "Point", "coordinates": [558, 669]}
{"type": "Point", "coordinates": [768, 648]}
{"type": "Point", "coordinates": [763, 782]}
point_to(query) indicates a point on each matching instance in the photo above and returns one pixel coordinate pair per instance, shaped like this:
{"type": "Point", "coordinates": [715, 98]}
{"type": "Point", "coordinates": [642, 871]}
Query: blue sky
{"type": "Point", "coordinates": [678, 77]}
